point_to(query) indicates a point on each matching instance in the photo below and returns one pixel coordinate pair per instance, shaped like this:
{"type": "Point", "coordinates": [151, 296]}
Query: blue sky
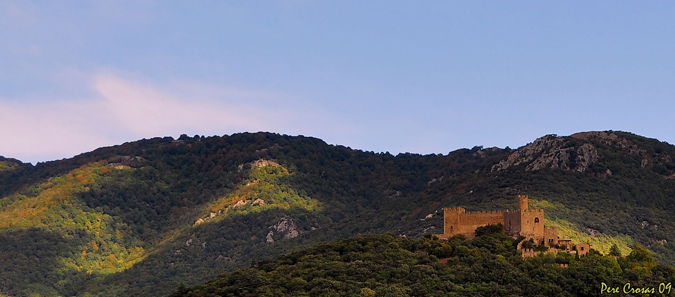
{"type": "Point", "coordinates": [397, 76]}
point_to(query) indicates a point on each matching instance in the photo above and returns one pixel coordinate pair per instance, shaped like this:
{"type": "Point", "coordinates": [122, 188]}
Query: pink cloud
{"type": "Point", "coordinates": [127, 110]}
{"type": "Point", "coordinates": [34, 132]}
{"type": "Point", "coordinates": [143, 110]}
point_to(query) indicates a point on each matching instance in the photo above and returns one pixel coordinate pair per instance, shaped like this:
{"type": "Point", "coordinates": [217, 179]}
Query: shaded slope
{"type": "Point", "coordinates": [46, 233]}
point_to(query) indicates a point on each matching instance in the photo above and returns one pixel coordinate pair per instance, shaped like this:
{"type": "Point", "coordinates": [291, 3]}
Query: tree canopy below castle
{"type": "Point", "coordinates": [389, 265]}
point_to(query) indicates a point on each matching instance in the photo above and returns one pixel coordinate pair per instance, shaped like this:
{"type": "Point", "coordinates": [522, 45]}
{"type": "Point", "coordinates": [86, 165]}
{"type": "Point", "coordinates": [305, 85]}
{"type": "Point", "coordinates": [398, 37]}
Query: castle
{"type": "Point", "coordinates": [522, 222]}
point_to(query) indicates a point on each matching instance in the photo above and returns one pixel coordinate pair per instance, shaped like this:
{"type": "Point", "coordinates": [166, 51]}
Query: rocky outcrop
{"type": "Point", "coordinates": [586, 155]}
{"type": "Point", "coordinates": [650, 155]}
{"type": "Point", "coordinates": [285, 228]}
{"type": "Point", "coordinates": [239, 203]}
{"type": "Point", "coordinates": [580, 151]}
{"type": "Point", "coordinates": [125, 162]}
{"type": "Point", "coordinates": [550, 152]}
{"type": "Point", "coordinates": [611, 139]}
{"type": "Point", "coordinates": [263, 163]}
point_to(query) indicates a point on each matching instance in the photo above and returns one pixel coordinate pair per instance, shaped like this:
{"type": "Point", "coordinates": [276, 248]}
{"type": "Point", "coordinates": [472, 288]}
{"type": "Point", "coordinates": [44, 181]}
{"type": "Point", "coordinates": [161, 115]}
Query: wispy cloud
{"type": "Point", "coordinates": [127, 110]}
{"type": "Point", "coordinates": [34, 132]}
{"type": "Point", "coordinates": [15, 14]}
{"type": "Point", "coordinates": [143, 110]}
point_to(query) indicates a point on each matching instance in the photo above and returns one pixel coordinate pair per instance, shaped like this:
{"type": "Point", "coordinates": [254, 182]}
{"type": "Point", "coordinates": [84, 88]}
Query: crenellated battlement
{"type": "Point", "coordinates": [490, 212]}
{"type": "Point", "coordinates": [528, 253]}
{"type": "Point", "coordinates": [455, 209]}
{"type": "Point", "coordinates": [464, 211]}
{"type": "Point", "coordinates": [524, 210]}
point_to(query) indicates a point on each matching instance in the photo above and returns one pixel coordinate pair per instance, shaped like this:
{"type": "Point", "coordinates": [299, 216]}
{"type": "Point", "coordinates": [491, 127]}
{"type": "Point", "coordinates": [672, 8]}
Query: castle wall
{"type": "Point", "coordinates": [512, 222]}
{"type": "Point", "coordinates": [567, 243]}
{"type": "Point", "coordinates": [528, 253]}
{"type": "Point", "coordinates": [583, 248]}
{"type": "Point", "coordinates": [550, 236]}
{"type": "Point", "coordinates": [458, 221]}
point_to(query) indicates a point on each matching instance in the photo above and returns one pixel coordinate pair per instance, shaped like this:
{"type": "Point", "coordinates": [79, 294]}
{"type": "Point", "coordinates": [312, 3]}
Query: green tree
{"type": "Point", "coordinates": [614, 251]}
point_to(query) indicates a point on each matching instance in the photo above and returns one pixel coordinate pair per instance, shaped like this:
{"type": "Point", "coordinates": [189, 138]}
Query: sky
{"type": "Point", "coordinates": [384, 76]}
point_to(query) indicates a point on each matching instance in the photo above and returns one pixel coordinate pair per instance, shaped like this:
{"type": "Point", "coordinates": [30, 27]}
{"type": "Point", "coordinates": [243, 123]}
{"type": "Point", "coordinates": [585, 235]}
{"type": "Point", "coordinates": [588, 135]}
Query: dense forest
{"type": "Point", "coordinates": [488, 265]}
{"type": "Point", "coordinates": [142, 218]}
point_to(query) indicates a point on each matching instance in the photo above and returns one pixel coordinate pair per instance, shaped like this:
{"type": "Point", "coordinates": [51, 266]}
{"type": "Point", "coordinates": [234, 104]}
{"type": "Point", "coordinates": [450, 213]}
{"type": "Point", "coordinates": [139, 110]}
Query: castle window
{"type": "Point", "coordinates": [582, 248]}
{"type": "Point", "coordinates": [536, 220]}
{"type": "Point", "coordinates": [452, 228]}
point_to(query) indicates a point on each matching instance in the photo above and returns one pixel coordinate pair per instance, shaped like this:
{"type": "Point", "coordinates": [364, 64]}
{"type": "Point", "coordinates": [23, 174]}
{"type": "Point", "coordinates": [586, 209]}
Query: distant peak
{"type": "Point", "coordinates": [580, 151]}
{"type": "Point", "coordinates": [591, 135]}
{"type": "Point", "coordinates": [550, 151]}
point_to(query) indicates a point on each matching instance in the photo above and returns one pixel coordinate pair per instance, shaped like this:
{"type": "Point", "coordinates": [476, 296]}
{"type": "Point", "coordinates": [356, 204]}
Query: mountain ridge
{"type": "Point", "coordinates": [153, 192]}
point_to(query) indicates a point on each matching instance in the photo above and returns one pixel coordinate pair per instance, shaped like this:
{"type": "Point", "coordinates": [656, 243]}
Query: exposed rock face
{"type": "Point", "coordinates": [285, 227]}
{"type": "Point", "coordinates": [435, 179]}
{"type": "Point", "coordinates": [587, 155]}
{"type": "Point", "coordinates": [549, 152]}
{"type": "Point", "coordinates": [650, 158]}
{"type": "Point", "coordinates": [119, 166]}
{"type": "Point", "coordinates": [125, 162]}
{"type": "Point", "coordinates": [262, 163]}
{"type": "Point", "coordinates": [579, 152]}
{"type": "Point", "coordinates": [593, 232]}
{"type": "Point", "coordinates": [609, 138]}
{"type": "Point", "coordinates": [239, 203]}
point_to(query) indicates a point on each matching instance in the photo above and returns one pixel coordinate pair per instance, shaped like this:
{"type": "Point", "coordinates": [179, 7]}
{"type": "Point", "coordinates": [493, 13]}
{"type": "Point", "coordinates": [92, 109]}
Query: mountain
{"type": "Point", "coordinates": [142, 218]}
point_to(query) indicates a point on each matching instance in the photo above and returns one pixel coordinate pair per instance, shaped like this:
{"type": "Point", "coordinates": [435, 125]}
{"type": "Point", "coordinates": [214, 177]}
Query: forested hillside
{"type": "Point", "coordinates": [488, 265]}
{"type": "Point", "coordinates": [142, 218]}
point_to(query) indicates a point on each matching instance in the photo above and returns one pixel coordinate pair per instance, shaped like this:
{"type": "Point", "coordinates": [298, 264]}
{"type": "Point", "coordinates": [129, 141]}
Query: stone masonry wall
{"type": "Point", "coordinates": [532, 224]}
{"type": "Point", "coordinates": [458, 221]}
